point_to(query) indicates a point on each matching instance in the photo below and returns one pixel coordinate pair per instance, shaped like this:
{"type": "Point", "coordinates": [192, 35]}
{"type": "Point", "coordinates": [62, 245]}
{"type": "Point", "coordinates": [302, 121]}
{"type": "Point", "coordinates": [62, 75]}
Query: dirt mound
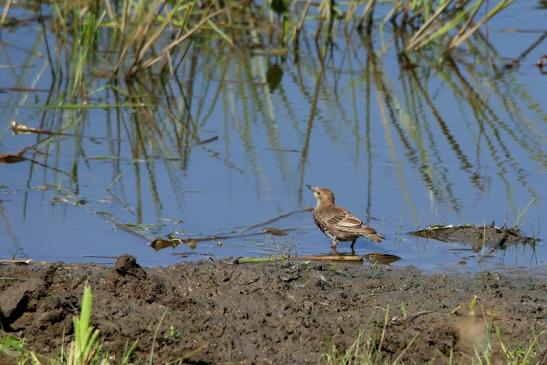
{"type": "Point", "coordinates": [271, 313]}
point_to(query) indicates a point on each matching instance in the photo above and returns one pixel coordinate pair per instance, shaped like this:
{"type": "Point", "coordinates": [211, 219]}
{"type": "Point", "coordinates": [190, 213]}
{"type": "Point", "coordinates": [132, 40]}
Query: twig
{"type": "Point", "coordinates": [398, 320]}
{"type": "Point", "coordinates": [220, 237]}
{"type": "Point", "coordinates": [18, 128]}
{"type": "Point", "coordinates": [100, 257]}
{"type": "Point", "coordinates": [258, 260]}
{"type": "Point", "coordinates": [328, 258]}
{"type": "Point", "coordinates": [261, 260]}
{"type": "Point", "coordinates": [274, 219]}
{"type": "Point", "coordinates": [205, 141]}
{"type": "Point", "coordinates": [16, 262]}
{"type": "Point", "coordinates": [160, 243]}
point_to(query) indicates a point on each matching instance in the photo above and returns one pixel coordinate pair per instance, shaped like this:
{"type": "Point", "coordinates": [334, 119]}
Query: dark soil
{"type": "Point", "coordinates": [281, 313]}
{"type": "Point", "coordinates": [477, 236]}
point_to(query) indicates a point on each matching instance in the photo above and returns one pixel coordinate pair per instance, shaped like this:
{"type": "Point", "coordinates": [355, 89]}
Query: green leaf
{"type": "Point", "coordinates": [274, 76]}
{"type": "Point", "coordinates": [278, 6]}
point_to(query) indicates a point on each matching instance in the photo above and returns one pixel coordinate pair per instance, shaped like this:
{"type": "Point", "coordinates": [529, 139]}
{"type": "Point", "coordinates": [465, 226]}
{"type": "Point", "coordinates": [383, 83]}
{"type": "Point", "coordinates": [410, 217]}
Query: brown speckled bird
{"type": "Point", "coordinates": [337, 222]}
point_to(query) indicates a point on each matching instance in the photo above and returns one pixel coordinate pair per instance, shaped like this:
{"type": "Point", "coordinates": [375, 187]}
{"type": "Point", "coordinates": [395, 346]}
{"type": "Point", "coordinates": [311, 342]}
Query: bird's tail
{"type": "Point", "coordinates": [375, 237]}
{"type": "Point", "coordinates": [371, 234]}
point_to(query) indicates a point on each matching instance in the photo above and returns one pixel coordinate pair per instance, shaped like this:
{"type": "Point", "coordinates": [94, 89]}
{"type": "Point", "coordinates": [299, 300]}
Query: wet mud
{"type": "Point", "coordinates": [280, 313]}
{"type": "Point", "coordinates": [477, 236]}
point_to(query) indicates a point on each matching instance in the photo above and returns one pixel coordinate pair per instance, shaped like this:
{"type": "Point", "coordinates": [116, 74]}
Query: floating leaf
{"type": "Point", "coordinates": [9, 158]}
{"type": "Point", "coordinates": [382, 258]}
{"type": "Point", "coordinates": [161, 243]}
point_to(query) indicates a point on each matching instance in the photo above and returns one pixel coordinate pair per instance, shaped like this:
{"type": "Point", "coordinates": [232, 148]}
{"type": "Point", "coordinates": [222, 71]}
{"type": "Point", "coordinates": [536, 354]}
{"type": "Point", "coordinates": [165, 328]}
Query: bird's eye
{"type": "Point", "coordinates": [318, 193]}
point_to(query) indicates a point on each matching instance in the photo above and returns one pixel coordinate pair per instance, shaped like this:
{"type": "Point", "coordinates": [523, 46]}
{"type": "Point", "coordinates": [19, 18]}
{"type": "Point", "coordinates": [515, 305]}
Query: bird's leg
{"type": "Point", "coordinates": [334, 243]}
{"type": "Point", "coordinates": [352, 246]}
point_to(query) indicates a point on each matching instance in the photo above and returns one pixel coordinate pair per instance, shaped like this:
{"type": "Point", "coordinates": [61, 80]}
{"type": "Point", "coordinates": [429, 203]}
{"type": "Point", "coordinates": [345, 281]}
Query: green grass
{"type": "Point", "coordinates": [366, 349]}
{"type": "Point", "coordinates": [141, 34]}
{"type": "Point", "coordinates": [84, 349]}
{"type": "Point", "coordinates": [522, 213]}
{"type": "Point", "coordinates": [495, 351]}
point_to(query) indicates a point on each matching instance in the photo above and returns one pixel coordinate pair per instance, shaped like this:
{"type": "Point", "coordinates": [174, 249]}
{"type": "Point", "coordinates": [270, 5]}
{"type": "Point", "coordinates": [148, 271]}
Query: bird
{"type": "Point", "coordinates": [337, 222]}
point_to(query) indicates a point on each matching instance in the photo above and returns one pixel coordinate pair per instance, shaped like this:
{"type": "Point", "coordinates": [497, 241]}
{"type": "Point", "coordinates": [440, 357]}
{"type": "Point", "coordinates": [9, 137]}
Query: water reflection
{"type": "Point", "coordinates": [230, 136]}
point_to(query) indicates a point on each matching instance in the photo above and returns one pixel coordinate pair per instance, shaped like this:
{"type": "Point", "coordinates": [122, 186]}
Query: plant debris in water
{"type": "Point", "coordinates": [478, 236]}
{"type": "Point", "coordinates": [382, 258]}
{"type": "Point", "coordinates": [274, 231]}
{"type": "Point", "coordinates": [10, 158]}
{"type": "Point", "coordinates": [163, 242]}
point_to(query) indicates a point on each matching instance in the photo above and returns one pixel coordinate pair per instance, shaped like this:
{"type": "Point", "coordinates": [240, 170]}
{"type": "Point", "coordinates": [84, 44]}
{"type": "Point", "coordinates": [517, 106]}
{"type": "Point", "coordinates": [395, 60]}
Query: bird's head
{"type": "Point", "coordinates": [324, 196]}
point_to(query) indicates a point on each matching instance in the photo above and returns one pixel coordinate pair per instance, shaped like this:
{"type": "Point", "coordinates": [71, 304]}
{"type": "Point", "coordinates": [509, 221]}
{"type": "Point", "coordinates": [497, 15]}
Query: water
{"type": "Point", "coordinates": [400, 147]}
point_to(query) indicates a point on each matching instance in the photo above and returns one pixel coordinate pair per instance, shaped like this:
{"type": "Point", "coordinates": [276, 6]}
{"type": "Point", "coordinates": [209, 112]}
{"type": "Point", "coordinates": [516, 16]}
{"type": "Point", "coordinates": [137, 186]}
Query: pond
{"type": "Point", "coordinates": [232, 136]}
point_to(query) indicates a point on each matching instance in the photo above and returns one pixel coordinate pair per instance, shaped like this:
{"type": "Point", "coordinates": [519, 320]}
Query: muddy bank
{"type": "Point", "coordinates": [272, 313]}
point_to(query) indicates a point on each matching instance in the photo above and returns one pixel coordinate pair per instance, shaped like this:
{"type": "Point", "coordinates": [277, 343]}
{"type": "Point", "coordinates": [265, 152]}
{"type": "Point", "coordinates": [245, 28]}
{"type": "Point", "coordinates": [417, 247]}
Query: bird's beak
{"type": "Point", "coordinates": [312, 188]}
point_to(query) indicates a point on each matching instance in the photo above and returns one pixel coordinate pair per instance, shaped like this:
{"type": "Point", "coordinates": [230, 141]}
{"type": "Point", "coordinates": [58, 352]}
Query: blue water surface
{"type": "Point", "coordinates": [401, 149]}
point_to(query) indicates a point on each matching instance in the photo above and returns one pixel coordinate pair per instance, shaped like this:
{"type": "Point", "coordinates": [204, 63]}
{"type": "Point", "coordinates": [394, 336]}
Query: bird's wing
{"type": "Point", "coordinates": [342, 219]}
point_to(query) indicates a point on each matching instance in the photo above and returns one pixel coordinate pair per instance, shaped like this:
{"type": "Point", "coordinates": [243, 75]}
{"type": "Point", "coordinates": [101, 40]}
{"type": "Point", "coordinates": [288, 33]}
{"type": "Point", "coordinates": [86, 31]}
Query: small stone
{"type": "Point", "coordinates": [127, 265]}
